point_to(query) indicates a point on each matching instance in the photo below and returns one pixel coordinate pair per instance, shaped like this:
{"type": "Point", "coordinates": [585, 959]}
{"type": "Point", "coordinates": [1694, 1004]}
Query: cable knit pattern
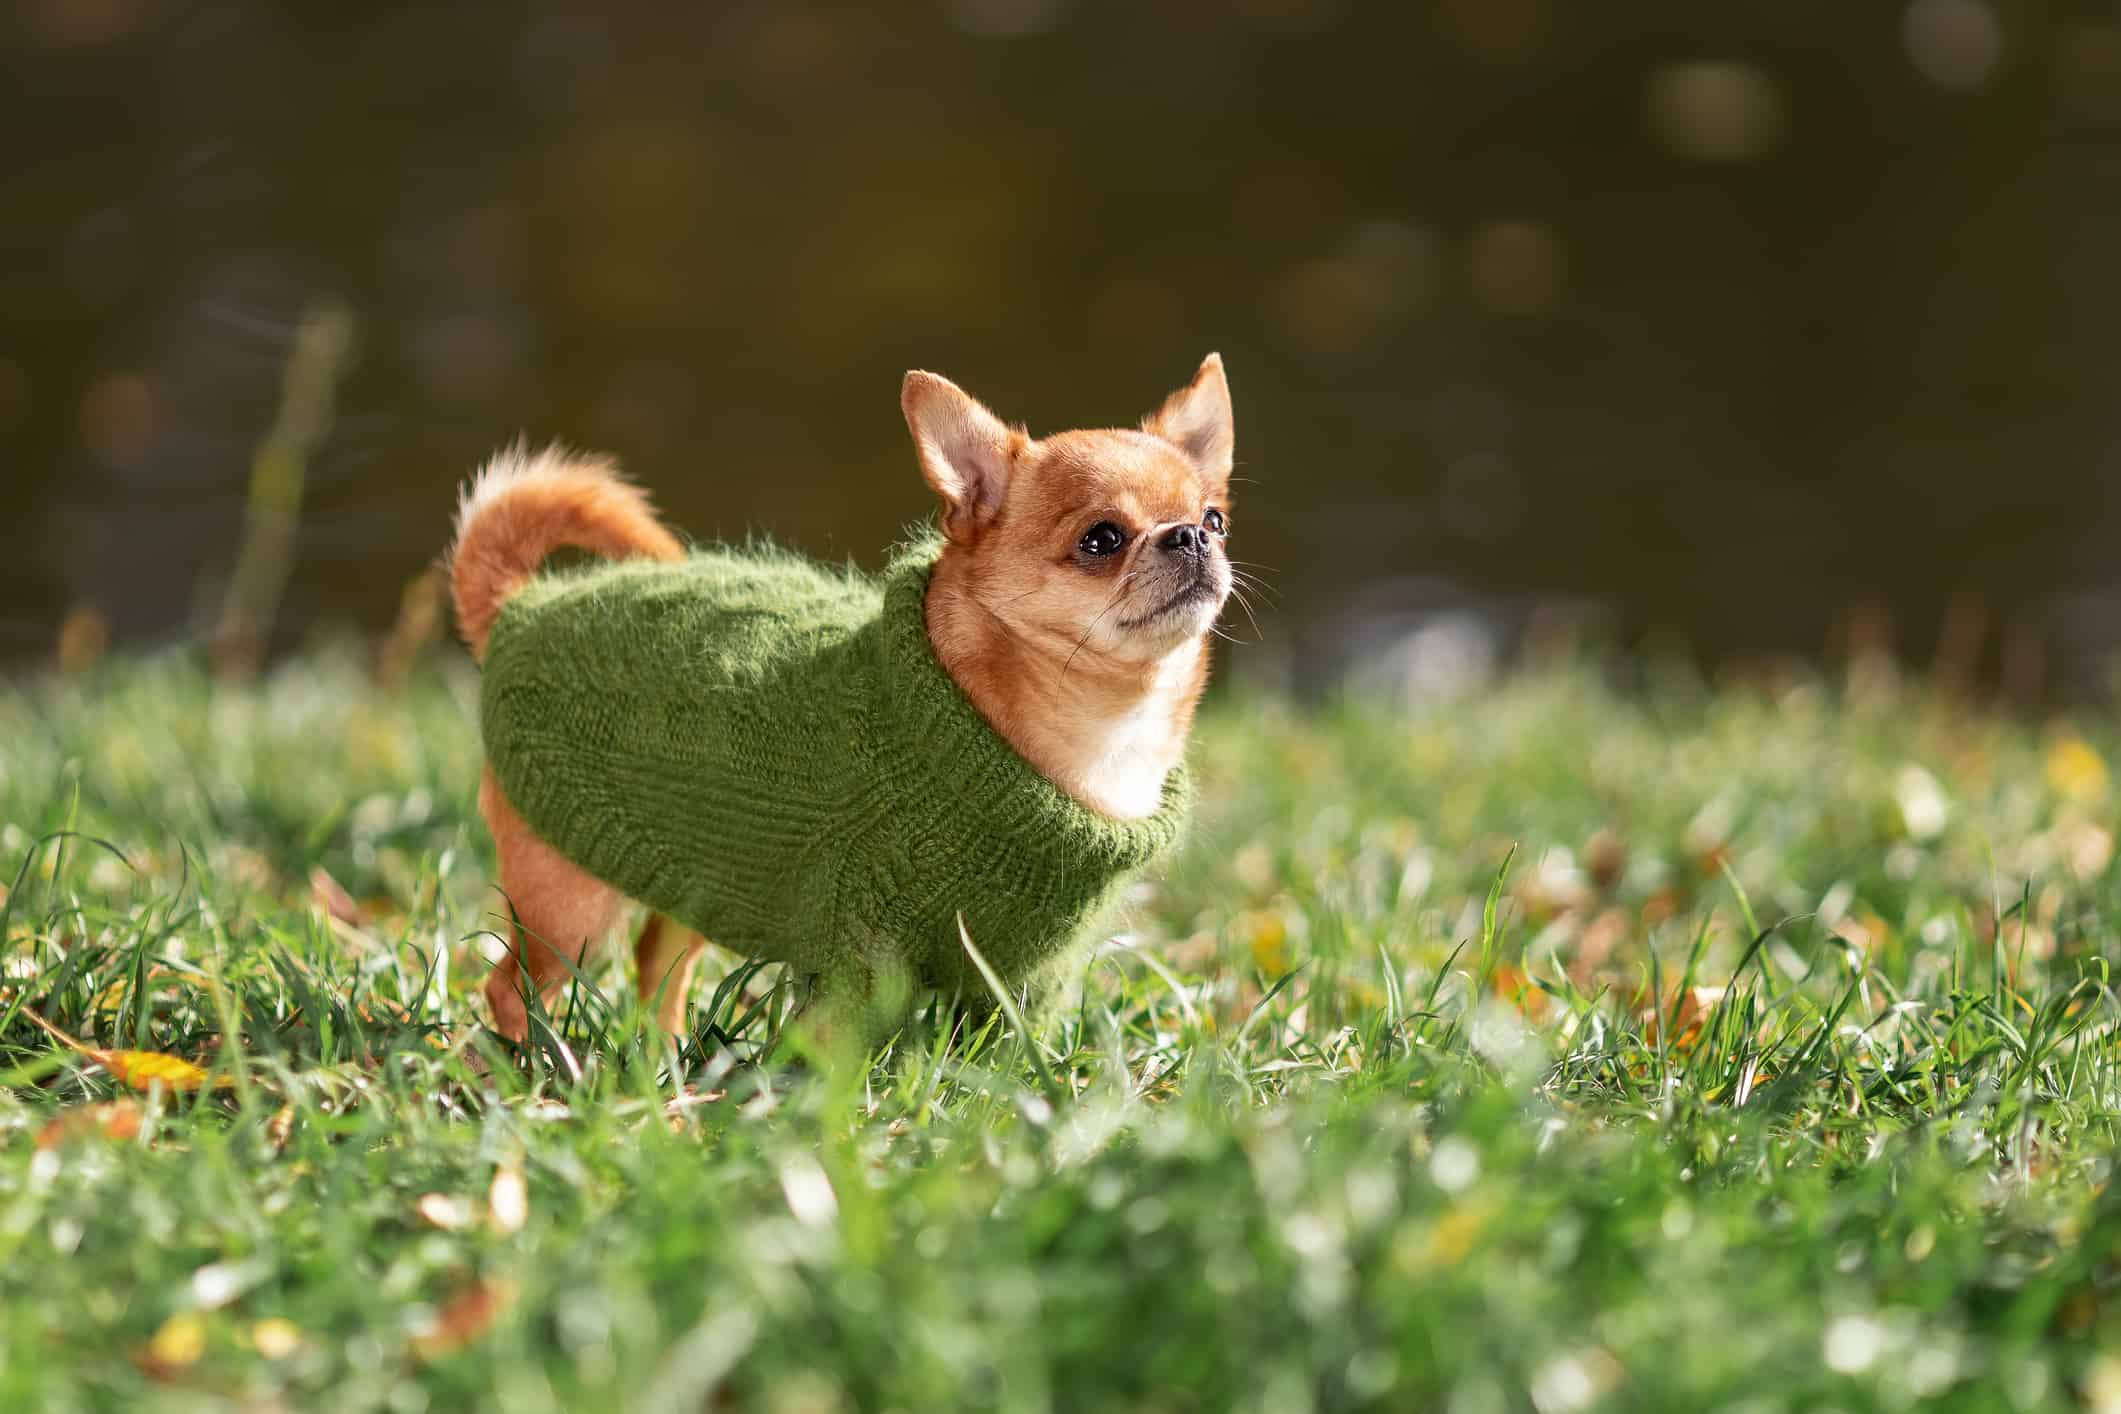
{"type": "Point", "coordinates": [768, 751]}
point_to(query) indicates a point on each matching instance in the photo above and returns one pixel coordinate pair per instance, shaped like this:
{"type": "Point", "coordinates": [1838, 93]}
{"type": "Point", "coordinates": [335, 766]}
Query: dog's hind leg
{"type": "Point", "coordinates": [664, 956]}
{"type": "Point", "coordinates": [559, 910]}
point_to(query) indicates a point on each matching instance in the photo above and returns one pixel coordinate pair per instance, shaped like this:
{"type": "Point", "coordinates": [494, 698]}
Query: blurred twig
{"type": "Point", "coordinates": [418, 624]}
{"type": "Point", "coordinates": [322, 344]}
{"type": "Point", "coordinates": [84, 636]}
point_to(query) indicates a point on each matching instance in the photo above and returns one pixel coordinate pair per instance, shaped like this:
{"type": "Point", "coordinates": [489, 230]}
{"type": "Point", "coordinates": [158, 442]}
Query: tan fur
{"type": "Point", "coordinates": [663, 957]}
{"type": "Point", "coordinates": [556, 909]}
{"type": "Point", "coordinates": [522, 507]}
{"type": "Point", "coordinates": [1081, 666]}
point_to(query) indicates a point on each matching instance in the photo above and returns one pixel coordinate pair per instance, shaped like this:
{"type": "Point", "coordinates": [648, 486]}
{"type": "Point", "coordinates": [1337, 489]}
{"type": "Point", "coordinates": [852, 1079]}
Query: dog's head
{"type": "Point", "coordinates": [1105, 542]}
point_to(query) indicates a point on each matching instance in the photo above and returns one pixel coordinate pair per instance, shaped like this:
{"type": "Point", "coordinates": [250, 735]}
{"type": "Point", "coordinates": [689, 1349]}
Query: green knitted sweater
{"type": "Point", "coordinates": [769, 752]}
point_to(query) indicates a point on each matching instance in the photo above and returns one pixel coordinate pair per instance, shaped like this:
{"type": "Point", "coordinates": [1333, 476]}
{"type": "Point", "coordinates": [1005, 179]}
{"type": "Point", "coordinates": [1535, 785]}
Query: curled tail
{"type": "Point", "coordinates": [524, 505]}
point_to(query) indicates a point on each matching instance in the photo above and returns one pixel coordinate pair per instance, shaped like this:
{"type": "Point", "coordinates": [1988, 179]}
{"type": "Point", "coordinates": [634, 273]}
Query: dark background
{"type": "Point", "coordinates": [1719, 327]}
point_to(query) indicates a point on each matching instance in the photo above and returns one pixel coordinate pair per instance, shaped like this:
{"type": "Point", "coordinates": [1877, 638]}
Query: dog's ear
{"type": "Point", "coordinates": [1196, 420]}
{"type": "Point", "coordinates": [966, 451]}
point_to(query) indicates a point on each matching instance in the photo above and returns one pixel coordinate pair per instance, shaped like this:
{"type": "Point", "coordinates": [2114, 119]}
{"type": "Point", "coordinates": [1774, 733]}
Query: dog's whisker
{"type": "Point", "coordinates": [1240, 580]}
{"type": "Point", "coordinates": [1246, 604]}
{"type": "Point", "coordinates": [1118, 592]}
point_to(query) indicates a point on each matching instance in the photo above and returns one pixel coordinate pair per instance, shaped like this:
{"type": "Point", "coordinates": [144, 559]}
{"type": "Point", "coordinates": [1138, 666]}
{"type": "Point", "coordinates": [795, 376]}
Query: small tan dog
{"type": "Point", "coordinates": [1069, 601]}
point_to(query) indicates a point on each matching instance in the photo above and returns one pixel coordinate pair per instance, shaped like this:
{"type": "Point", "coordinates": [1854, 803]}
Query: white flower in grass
{"type": "Point", "coordinates": [1924, 807]}
{"type": "Point", "coordinates": [1573, 1381]}
{"type": "Point", "coordinates": [2102, 1385]}
{"type": "Point", "coordinates": [1852, 1344]}
{"type": "Point", "coordinates": [1455, 1165]}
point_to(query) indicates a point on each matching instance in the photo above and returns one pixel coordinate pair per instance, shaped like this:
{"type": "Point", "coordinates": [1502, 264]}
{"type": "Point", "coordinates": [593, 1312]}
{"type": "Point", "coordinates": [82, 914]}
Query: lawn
{"type": "Point", "coordinates": [1737, 1047]}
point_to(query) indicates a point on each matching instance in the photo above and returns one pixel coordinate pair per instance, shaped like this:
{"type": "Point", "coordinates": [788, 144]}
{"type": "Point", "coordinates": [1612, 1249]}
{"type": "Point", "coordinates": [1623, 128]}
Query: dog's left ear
{"type": "Point", "coordinates": [1196, 420]}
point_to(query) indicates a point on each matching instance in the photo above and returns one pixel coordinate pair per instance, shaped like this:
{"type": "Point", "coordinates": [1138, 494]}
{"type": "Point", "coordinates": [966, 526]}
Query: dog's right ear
{"type": "Point", "coordinates": [966, 451]}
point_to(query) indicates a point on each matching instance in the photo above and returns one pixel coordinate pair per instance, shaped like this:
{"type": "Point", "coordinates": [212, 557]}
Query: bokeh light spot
{"type": "Point", "coordinates": [82, 23]}
{"type": "Point", "coordinates": [1482, 497]}
{"type": "Point", "coordinates": [1344, 301]}
{"type": "Point", "coordinates": [1516, 267]}
{"type": "Point", "coordinates": [1955, 44]}
{"type": "Point", "coordinates": [1715, 111]}
{"type": "Point", "coordinates": [2089, 70]}
{"type": "Point", "coordinates": [1002, 19]}
{"type": "Point", "coordinates": [118, 418]}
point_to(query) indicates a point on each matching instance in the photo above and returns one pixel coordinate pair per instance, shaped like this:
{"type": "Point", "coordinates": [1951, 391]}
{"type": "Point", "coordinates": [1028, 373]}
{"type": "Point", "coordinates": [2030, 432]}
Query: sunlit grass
{"type": "Point", "coordinates": [1710, 1049]}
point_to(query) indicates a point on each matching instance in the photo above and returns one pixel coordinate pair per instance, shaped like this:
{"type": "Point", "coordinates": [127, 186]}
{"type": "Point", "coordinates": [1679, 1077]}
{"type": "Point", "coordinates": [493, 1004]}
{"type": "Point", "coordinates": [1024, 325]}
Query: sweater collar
{"type": "Point", "coordinates": [988, 786]}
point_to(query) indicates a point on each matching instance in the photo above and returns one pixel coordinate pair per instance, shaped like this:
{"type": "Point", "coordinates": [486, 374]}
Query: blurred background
{"type": "Point", "coordinates": [1750, 332]}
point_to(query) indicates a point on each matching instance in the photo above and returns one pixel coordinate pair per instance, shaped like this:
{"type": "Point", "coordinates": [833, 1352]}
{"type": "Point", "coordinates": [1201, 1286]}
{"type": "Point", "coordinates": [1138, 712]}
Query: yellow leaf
{"type": "Point", "coordinates": [2075, 770]}
{"type": "Point", "coordinates": [279, 1127]}
{"type": "Point", "coordinates": [276, 1338]}
{"type": "Point", "coordinates": [1452, 1237]}
{"type": "Point", "coordinates": [176, 1346]}
{"type": "Point", "coordinates": [1268, 938]}
{"type": "Point", "coordinates": [141, 1070]}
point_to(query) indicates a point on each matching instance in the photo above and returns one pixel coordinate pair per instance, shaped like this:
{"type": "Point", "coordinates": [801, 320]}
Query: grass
{"type": "Point", "coordinates": [1734, 1048]}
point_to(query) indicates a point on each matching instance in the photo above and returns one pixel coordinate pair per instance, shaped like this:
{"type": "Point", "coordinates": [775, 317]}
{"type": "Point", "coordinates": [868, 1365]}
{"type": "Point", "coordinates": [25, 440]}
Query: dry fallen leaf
{"type": "Point", "coordinates": [394, 1011]}
{"type": "Point", "coordinates": [279, 1127]}
{"type": "Point", "coordinates": [159, 980]}
{"type": "Point", "coordinates": [2075, 770]}
{"type": "Point", "coordinates": [677, 1113]}
{"type": "Point", "coordinates": [329, 895]}
{"type": "Point", "coordinates": [445, 1211]}
{"type": "Point", "coordinates": [84, 634]}
{"type": "Point", "coordinates": [276, 1338]}
{"type": "Point", "coordinates": [1686, 1011]}
{"type": "Point", "coordinates": [509, 1199]}
{"type": "Point", "coordinates": [1266, 938]}
{"type": "Point", "coordinates": [174, 1348]}
{"type": "Point", "coordinates": [115, 1120]}
{"type": "Point", "coordinates": [466, 1316]}
{"type": "Point", "coordinates": [689, 1098]}
{"type": "Point", "coordinates": [142, 1070]}
{"type": "Point", "coordinates": [1515, 986]}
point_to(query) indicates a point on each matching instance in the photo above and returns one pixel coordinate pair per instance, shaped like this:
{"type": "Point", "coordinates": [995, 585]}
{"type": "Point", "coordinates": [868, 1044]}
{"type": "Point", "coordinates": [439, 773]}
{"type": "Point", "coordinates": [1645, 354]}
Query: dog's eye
{"type": "Point", "coordinates": [1214, 523]}
{"type": "Point", "coordinates": [1101, 539]}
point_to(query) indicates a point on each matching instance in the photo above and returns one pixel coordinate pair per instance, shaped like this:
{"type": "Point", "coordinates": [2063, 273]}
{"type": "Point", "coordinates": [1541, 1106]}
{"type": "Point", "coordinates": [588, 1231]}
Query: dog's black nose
{"type": "Point", "coordinates": [1185, 539]}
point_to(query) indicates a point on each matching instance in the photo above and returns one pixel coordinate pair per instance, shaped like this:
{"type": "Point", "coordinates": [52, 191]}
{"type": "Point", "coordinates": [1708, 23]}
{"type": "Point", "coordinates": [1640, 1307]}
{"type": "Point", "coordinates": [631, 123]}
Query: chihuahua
{"type": "Point", "coordinates": [1065, 610]}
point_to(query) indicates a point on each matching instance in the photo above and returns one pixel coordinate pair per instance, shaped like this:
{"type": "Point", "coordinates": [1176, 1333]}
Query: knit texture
{"type": "Point", "coordinates": [768, 751]}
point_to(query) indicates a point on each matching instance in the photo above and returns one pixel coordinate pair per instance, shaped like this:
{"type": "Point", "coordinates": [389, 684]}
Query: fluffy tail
{"type": "Point", "coordinates": [524, 505]}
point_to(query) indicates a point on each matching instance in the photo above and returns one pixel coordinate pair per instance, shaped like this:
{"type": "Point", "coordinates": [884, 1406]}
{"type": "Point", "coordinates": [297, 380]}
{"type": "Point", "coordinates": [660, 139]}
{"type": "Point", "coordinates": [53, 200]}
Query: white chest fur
{"type": "Point", "coordinates": [1124, 757]}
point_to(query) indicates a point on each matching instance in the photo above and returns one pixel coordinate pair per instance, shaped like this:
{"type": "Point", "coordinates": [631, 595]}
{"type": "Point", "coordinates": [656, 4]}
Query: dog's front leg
{"type": "Point", "coordinates": [664, 957]}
